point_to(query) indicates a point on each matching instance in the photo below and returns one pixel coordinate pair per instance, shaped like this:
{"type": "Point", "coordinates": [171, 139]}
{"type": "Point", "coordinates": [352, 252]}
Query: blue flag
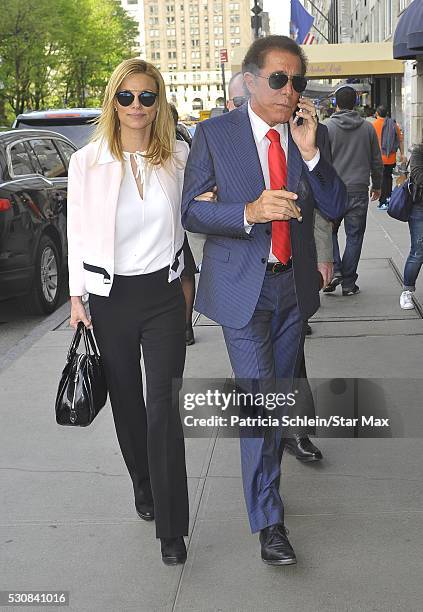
{"type": "Point", "coordinates": [301, 22]}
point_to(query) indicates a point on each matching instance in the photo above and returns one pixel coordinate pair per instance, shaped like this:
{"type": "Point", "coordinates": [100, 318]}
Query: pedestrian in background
{"type": "Point", "coordinates": [356, 157]}
{"type": "Point", "coordinates": [390, 139]}
{"type": "Point", "coordinates": [237, 92]}
{"type": "Point", "coordinates": [125, 249]}
{"type": "Point", "coordinates": [415, 223]}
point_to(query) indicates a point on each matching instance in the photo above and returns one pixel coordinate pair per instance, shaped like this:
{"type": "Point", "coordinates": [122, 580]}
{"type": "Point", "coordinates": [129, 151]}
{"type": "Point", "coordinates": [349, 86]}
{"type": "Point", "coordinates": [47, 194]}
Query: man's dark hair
{"type": "Point", "coordinates": [382, 111]}
{"type": "Point", "coordinates": [255, 57]}
{"type": "Point", "coordinates": [345, 98]}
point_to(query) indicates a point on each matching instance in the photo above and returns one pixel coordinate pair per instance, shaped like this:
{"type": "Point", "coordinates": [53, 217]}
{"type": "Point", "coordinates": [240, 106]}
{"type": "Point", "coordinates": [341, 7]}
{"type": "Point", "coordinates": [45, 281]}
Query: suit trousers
{"type": "Point", "coordinates": [269, 348]}
{"type": "Point", "coordinates": [149, 312]}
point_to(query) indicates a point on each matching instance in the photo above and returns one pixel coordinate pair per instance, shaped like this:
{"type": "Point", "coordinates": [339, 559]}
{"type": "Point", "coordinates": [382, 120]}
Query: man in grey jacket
{"type": "Point", "coordinates": [356, 157]}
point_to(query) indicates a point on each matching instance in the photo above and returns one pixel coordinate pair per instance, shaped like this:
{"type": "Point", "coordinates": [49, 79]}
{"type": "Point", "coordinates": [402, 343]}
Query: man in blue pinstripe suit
{"type": "Point", "coordinates": [262, 295]}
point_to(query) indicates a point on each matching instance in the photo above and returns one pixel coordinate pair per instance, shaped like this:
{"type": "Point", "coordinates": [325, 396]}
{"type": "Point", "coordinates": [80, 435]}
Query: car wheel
{"type": "Point", "coordinates": [45, 292]}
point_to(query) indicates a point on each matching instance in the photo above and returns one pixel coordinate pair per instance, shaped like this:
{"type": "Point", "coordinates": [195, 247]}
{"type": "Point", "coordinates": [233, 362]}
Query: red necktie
{"type": "Point", "coordinates": [281, 243]}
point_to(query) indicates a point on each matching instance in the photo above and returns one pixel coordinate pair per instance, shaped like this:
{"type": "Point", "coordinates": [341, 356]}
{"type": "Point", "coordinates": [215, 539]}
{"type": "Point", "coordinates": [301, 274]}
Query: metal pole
{"type": "Point", "coordinates": [223, 84]}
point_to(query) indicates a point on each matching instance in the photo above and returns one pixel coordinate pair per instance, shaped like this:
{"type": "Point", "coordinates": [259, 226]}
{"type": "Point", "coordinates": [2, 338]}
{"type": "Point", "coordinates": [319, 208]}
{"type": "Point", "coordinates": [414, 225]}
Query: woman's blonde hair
{"type": "Point", "coordinates": [162, 140]}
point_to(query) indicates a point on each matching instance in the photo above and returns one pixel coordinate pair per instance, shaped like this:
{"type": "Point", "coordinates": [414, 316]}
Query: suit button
{"type": "Point", "coordinates": [268, 232]}
{"type": "Point", "coordinates": [263, 260]}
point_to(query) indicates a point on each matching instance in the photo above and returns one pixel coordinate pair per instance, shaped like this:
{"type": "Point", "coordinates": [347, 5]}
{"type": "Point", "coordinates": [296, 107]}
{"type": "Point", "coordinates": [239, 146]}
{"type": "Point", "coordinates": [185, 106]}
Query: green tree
{"type": "Point", "coordinates": [57, 51]}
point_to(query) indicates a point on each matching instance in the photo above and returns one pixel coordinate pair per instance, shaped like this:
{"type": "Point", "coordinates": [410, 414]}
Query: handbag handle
{"type": "Point", "coordinates": [89, 341]}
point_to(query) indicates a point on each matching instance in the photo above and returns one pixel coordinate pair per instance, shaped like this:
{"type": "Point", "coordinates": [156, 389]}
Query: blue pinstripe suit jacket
{"type": "Point", "coordinates": [224, 154]}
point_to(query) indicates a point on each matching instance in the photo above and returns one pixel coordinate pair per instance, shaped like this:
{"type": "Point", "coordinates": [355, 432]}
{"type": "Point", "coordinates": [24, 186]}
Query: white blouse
{"type": "Point", "coordinates": [143, 227]}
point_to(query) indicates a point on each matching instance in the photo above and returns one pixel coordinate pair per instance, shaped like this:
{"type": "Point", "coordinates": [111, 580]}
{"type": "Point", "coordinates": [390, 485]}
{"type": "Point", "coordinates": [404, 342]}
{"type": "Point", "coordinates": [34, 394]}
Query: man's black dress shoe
{"type": "Point", "coordinates": [145, 511]}
{"type": "Point", "coordinates": [189, 336]}
{"type": "Point", "coordinates": [173, 550]}
{"type": "Point", "coordinates": [302, 448]}
{"type": "Point", "coordinates": [275, 546]}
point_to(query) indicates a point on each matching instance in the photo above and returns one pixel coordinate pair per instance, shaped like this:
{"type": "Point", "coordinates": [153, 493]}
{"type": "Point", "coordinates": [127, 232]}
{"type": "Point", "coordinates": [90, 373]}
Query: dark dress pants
{"type": "Point", "coordinates": [268, 349]}
{"type": "Point", "coordinates": [147, 311]}
{"type": "Point", "coordinates": [386, 182]}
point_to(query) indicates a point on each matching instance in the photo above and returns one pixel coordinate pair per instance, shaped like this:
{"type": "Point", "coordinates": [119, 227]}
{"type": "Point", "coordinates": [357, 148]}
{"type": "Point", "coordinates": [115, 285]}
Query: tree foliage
{"type": "Point", "coordinates": [56, 53]}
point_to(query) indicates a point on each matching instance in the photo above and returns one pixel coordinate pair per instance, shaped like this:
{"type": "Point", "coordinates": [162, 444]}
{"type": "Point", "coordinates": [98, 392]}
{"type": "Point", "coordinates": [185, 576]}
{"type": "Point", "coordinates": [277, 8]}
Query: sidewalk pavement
{"type": "Point", "coordinates": [355, 520]}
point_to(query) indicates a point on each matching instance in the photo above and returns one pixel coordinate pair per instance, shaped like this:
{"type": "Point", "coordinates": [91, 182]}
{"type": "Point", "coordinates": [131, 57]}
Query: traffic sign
{"type": "Point", "coordinates": [223, 55]}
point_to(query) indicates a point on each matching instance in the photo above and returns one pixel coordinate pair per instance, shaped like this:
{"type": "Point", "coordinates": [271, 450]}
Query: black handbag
{"type": "Point", "coordinates": [82, 390]}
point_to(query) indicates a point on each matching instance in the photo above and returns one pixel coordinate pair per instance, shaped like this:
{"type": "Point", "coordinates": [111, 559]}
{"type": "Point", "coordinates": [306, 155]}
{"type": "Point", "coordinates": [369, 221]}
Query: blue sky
{"type": "Point", "coordinates": [279, 11]}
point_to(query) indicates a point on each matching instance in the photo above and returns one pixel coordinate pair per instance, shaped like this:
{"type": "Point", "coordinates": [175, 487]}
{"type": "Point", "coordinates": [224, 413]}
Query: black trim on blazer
{"type": "Point", "coordinates": [175, 264]}
{"type": "Point", "coordinates": [97, 270]}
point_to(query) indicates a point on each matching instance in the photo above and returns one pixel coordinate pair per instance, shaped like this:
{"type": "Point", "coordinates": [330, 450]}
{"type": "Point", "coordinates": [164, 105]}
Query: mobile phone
{"type": "Point", "coordinates": [297, 120]}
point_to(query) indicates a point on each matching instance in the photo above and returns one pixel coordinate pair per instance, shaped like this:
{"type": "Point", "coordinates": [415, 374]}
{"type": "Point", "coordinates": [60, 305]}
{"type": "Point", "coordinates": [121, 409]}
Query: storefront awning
{"type": "Point", "coordinates": [342, 60]}
{"type": "Point", "coordinates": [408, 37]}
{"type": "Point", "coordinates": [351, 60]}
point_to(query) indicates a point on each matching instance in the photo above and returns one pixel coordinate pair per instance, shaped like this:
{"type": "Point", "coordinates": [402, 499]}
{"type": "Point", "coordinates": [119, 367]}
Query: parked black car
{"type": "Point", "coordinates": [33, 191]}
{"type": "Point", "coordinates": [74, 123]}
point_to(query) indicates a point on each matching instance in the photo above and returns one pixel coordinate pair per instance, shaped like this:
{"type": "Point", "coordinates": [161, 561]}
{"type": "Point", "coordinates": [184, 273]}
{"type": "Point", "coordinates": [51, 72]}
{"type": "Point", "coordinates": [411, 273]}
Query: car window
{"type": "Point", "coordinates": [49, 159]}
{"type": "Point", "coordinates": [21, 163]}
{"type": "Point", "coordinates": [66, 149]}
{"type": "Point", "coordinates": [78, 133]}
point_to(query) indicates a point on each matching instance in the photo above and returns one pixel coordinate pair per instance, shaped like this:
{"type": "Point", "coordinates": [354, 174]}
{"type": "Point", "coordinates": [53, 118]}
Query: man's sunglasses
{"type": "Point", "coordinates": [277, 80]}
{"type": "Point", "coordinates": [239, 100]}
{"type": "Point", "coordinates": [146, 98]}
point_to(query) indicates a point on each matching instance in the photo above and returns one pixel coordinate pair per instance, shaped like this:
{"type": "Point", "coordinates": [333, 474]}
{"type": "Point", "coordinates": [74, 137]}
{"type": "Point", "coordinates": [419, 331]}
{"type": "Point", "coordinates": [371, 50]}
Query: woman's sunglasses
{"type": "Point", "coordinates": [277, 80]}
{"type": "Point", "coordinates": [146, 98]}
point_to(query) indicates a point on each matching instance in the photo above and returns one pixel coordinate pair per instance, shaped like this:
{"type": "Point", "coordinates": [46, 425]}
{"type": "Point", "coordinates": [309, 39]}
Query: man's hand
{"type": "Point", "coordinates": [326, 270]}
{"type": "Point", "coordinates": [207, 196]}
{"type": "Point", "coordinates": [304, 135]}
{"type": "Point", "coordinates": [273, 205]}
{"type": "Point", "coordinates": [375, 194]}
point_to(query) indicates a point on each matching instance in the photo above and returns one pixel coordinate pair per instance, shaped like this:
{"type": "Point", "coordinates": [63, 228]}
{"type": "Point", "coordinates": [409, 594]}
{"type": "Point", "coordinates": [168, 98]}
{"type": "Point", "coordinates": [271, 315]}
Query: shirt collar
{"type": "Point", "coordinates": [260, 127]}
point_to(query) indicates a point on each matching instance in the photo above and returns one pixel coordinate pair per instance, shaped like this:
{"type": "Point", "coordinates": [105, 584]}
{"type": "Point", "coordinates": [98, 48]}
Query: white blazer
{"type": "Point", "coordinates": [93, 188]}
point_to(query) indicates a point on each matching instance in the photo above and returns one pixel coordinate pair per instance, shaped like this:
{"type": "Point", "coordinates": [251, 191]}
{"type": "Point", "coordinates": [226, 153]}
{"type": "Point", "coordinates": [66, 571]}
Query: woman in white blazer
{"type": "Point", "coordinates": [125, 250]}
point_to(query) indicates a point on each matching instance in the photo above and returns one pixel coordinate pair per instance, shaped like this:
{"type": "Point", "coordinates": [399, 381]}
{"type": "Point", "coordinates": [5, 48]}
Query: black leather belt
{"type": "Point", "coordinates": [277, 266]}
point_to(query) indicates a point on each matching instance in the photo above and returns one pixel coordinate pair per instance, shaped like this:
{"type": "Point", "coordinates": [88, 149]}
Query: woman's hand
{"type": "Point", "coordinates": [78, 313]}
{"type": "Point", "coordinates": [208, 196]}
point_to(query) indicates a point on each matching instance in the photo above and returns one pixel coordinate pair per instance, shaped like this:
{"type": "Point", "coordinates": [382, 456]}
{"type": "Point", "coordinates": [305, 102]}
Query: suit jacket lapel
{"type": "Point", "coordinates": [245, 150]}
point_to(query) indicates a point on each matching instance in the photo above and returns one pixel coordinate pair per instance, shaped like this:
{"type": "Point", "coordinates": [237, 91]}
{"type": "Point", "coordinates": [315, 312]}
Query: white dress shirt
{"type": "Point", "coordinates": [260, 129]}
{"type": "Point", "coordinates": [143, 228]}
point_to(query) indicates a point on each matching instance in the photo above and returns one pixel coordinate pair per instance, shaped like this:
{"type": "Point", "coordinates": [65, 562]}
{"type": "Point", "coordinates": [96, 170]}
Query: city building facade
{"type": "Point", "coordinates": [183, 38]}
{"type": "Point", "coordinates": [364, 21]}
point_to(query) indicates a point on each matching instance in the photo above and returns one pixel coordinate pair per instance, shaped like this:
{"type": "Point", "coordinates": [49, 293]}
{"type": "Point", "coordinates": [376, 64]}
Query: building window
{"type": "Point", "coordinates": [388, 18]}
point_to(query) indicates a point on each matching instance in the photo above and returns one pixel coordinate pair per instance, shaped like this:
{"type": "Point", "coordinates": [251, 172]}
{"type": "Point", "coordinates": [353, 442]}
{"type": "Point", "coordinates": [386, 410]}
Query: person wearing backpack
{"type": "Point", "coordinates": [415, 223]}
{"type": "Point", "coordinates": [390, 140]}
{"type": "Point", "coordinates": [357, 160]}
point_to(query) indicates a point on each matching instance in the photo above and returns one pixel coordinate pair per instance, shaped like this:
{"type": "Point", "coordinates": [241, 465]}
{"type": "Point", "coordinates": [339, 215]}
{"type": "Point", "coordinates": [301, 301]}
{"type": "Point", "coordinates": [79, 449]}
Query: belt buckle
{"type": "Point", "coordinates": [274, 267]}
